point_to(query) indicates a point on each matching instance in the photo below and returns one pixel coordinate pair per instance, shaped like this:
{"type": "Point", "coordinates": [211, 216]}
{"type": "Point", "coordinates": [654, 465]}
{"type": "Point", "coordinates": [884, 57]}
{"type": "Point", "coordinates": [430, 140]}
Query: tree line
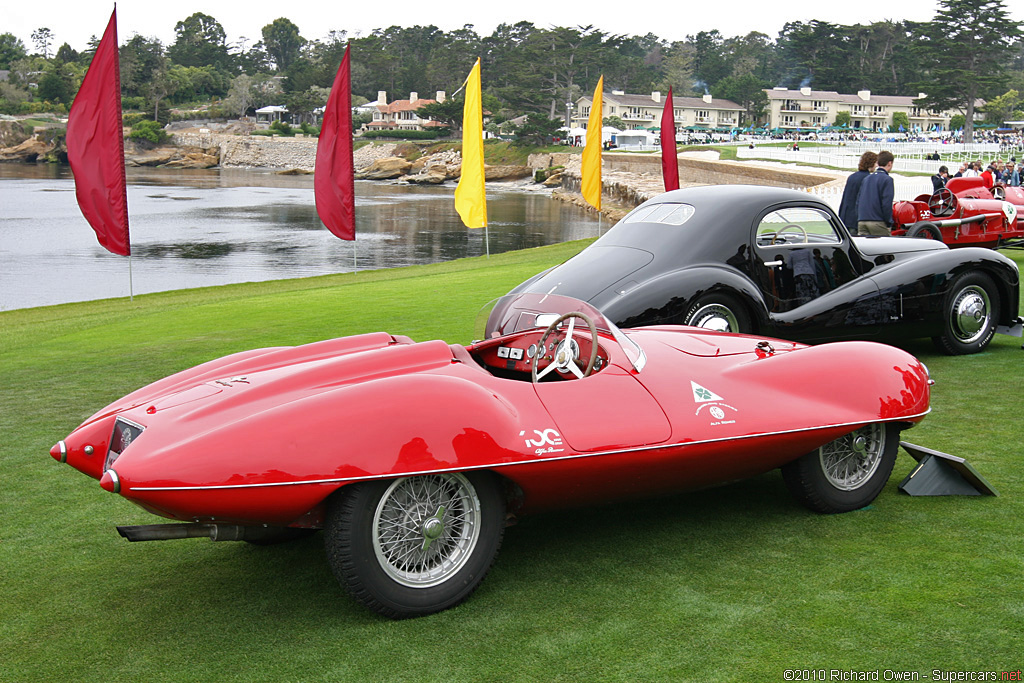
{"type": "Point", "coordinates": [971, 50]}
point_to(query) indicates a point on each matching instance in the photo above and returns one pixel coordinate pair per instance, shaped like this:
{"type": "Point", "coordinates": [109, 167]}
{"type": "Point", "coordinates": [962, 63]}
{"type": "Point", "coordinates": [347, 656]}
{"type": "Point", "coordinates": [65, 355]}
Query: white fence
{"type": "Point", "coordinates": [905, 188]}
{"type": "Point", "coordinates": [909, 155]}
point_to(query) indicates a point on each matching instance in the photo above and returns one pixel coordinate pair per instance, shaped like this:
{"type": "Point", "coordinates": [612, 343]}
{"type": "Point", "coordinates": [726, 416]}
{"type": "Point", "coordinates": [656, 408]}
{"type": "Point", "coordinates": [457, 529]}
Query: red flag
{"type": "Point", "coordinates": [95, 143]}
{"type": "Point", "coordinates": [334, 178]}
{"type": "Point", "coordinates": [669, 160]}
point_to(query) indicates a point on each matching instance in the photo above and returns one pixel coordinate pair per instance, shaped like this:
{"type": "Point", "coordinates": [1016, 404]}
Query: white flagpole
{"type": "Point", "coordinates": [131, 289]}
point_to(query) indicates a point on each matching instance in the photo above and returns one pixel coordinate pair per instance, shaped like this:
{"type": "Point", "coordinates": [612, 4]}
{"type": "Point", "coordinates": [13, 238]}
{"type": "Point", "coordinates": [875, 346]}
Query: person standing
{"type": "Point", "coordinates": [940, 178]}
{"type": "Point", "coordinates": [848, 205]}
{"type": "Point", "coordinates": [874, 205]}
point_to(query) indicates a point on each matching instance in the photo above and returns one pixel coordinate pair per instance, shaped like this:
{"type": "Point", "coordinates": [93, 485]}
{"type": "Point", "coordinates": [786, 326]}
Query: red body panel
{"type": "Point", "coordinates": [264, 437]}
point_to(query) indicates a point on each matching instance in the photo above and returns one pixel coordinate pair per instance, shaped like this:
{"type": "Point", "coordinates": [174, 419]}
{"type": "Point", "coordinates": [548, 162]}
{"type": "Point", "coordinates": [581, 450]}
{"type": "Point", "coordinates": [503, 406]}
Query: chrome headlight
{"type": "Point", "coordinates": [125, 432]}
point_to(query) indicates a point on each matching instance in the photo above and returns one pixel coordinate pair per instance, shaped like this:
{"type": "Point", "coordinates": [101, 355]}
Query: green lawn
{"type": "Point", "coordinates": [737, 583]}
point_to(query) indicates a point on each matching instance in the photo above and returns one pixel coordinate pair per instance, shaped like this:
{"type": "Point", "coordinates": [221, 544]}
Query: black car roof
{"type": "Point", "coordinates": [722, 219]}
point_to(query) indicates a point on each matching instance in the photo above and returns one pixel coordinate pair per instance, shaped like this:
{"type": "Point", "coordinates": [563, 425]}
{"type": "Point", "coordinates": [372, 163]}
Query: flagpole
{"type": "Point", "coordinates": [131, 289]}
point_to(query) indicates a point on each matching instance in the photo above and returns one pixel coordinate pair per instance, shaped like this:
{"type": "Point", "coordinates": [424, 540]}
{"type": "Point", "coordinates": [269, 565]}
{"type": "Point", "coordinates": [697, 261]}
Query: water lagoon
{"type": "Point", "coordinates": [214, 227]}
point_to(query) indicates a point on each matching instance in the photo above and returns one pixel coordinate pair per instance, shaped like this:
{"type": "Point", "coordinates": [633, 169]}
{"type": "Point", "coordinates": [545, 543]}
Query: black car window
{"type": "Point", "coordinates": [796, 225]}
{"type": "Point", "coordinates": [669, 214]}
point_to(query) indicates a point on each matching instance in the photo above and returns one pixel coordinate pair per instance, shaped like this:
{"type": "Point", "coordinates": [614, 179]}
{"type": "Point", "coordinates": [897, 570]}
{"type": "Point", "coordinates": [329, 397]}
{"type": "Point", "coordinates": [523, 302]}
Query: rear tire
{"type": "Point", "coordinates": [720, 312]}
{"type": "Point", "coordinates": [845, 474]}
{"type": "Point", "coordinates": [970, 311]}
{"type": "Point", "coordinates": [416, 545]}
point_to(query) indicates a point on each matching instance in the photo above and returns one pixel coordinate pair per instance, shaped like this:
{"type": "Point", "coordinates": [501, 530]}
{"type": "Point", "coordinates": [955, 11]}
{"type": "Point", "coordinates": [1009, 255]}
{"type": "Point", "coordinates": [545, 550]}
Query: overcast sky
{"type": "Point", "coordinates": [74, 21]}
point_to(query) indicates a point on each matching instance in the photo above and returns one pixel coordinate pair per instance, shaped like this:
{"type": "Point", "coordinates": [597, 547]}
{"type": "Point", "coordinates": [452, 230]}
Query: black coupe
{"type": "Point", "coordinates": [779, 262]}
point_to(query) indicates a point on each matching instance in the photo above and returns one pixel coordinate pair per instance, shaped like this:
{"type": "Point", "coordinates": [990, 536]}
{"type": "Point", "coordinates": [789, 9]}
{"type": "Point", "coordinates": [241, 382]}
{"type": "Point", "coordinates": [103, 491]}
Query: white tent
{"type": "Point", "coordinates": [640, 139]}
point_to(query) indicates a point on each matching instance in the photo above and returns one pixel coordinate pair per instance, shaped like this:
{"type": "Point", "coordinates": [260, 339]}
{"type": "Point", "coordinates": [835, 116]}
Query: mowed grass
{"type": "Point", "coordinates": [737, 583]}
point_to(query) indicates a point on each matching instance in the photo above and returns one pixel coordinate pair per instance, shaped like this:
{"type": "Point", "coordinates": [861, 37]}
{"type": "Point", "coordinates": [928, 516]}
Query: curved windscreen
{"type": "Point", "coordinates": [527, 311]}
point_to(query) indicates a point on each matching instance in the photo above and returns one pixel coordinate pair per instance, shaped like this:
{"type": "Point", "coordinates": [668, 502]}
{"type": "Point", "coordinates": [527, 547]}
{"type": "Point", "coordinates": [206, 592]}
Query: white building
{"type": "Point", "coordinates": [814, 109]}
{"type": "Point", "coordinates": [640, 112]}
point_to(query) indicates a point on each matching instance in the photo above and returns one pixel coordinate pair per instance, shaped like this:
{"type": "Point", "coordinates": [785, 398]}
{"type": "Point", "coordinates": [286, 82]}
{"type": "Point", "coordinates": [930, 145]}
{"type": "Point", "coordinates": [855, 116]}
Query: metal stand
{"type": "Point", "coordinates": [941, 474]}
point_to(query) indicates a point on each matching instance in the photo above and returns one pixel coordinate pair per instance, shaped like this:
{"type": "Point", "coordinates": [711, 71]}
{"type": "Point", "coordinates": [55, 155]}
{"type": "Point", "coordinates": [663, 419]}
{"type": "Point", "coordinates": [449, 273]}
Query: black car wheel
{"type": "Point", "coordinates": [924, 230]}
{"type": "Point", "coordinates": [969, 313]}
{"type": "Point", "coordinates": [719, 312]}
{"type": "Point", "coordinates": [845, 474]}
{"type": "Point", "coordinates": [416, 545]}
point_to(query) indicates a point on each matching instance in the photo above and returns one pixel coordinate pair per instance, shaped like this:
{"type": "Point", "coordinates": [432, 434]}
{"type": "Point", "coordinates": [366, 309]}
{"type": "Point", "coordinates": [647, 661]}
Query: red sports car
{"type": "Point", "coordinates": [965, 213]}
{"type": "Point", "coordinates": [412, 457]}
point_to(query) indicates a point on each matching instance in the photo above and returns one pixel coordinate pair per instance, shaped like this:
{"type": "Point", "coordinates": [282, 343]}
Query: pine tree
{"type": "Point", "coordinates": [963, 50]}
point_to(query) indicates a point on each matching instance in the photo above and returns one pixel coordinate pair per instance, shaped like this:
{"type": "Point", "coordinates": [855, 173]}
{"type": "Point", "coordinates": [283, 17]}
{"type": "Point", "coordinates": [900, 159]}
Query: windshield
{"type": "Point", "coordinates": [517, 312]}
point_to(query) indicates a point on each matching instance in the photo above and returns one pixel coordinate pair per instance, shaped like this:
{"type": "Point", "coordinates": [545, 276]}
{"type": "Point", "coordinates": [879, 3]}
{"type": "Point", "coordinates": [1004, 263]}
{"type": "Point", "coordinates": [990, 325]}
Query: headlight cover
{"type": "Point", "coordinates": [125, 432]}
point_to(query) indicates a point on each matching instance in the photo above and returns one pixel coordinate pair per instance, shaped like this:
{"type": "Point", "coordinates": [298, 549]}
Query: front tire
{"type": "Point", "coordinates": [925, 230]}
{"type": "Point", "coordinates": [720, 312]}
{"type": "Point", "coordinates": [416, 545]}
{"type": "Point", "coordinates": [845, 474]}
{"type": "Point", "coordinates": [969, 314]}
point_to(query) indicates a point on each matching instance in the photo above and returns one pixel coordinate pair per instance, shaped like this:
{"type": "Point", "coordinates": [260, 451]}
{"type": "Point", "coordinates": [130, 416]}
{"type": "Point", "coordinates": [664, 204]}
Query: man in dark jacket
{"type": "Point", "coordinates": [874, 205]}
{"type": "Point", "coordinates": [940, 178]}
{"type": "Point", "coordinates": [848, 205]}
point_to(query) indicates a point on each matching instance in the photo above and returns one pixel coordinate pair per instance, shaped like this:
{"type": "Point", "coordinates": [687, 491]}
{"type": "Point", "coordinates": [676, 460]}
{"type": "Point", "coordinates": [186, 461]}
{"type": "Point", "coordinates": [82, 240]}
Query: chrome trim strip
{"type": "Point", "coordinates": [63, 451]}
{"type": "Point", "coordinates": [392, 475]}
{"type": "Point", "coordinates": [115, 479]}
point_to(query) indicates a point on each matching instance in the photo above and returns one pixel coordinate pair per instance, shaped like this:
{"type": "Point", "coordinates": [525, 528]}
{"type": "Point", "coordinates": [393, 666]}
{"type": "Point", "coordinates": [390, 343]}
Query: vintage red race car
{"type": "Point", "coordinates": [412, 457]}
{"type": "Point", "coordinates": [965, 213]}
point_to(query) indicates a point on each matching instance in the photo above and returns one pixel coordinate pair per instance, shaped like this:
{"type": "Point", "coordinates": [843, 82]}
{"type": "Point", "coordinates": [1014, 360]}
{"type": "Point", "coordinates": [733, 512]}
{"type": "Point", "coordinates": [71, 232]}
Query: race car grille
{"type": "Point", "coordinates": [124, 434]}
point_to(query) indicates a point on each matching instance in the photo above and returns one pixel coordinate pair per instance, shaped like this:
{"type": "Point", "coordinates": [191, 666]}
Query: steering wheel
{"type": "Point", "coordinates": [942, 203]}
{"type": "Point", "coordinates": [787, 227]}
{"type": "Point", "coordinates": [998, 192]}
{"type": "Point", "coordinates": [567, 351]}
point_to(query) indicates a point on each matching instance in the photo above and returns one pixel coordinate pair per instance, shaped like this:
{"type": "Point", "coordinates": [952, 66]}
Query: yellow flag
{"type": "Point", "coordinates": [590, 167]}
{"type": "Point", "coordinates": [470, 197]}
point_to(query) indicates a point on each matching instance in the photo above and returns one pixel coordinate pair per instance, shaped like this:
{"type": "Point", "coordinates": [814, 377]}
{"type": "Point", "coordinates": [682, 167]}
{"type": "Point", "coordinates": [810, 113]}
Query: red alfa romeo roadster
{"type": "Point", "coordinates": [412, 456]}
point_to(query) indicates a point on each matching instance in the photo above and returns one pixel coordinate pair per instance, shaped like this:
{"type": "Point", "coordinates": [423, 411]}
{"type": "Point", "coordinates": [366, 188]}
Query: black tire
{"type": "Point", "coordinates": [374, 530]}
{"type": "Point", "coordinates": [970, 311]}
{"type": "Point", "coordinates": [845, 474]}
{"type": "Point", "coordinates": [925, 230]}
{"type": "Point", "coordinates": [718, 311]}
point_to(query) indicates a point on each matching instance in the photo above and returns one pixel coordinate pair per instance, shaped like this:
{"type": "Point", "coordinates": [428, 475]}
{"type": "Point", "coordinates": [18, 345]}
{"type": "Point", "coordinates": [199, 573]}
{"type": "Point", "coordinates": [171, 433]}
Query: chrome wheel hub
{"type": "Point", "coordinates": [715, 317]}
{"type": "Point", "coordinates": [970, 314]}
{"type": "Point", "coordinates": [851, 460]}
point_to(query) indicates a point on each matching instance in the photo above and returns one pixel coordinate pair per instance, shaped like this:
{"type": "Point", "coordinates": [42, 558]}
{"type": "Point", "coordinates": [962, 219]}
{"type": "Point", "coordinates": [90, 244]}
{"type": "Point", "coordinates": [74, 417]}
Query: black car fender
{"type": "Point", "coordinates": [665, 299]}
{"type": "Point", "coordinates": [525, 285]}
{"type": "Point", "coordinates": [926, 279]}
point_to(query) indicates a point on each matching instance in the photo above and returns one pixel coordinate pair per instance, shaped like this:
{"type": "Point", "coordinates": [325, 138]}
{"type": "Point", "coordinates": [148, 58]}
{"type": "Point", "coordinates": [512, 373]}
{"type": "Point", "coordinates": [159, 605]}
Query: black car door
{"type": "Point", "coordinates": [811, 277]}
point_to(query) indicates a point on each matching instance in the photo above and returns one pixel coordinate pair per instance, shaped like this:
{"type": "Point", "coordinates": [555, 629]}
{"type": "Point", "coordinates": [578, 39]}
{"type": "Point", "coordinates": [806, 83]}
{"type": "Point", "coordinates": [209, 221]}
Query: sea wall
{"type": "Point", "coordinates": [255, 151]}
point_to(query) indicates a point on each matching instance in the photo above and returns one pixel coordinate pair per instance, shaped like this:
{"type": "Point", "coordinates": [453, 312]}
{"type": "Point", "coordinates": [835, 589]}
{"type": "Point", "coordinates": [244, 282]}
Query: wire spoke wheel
{"type": "Point", "coordinates": [415, 545]}
{"type": "Point", "coordinates": [851, 460]}
{"type": "Point", "coordinates": [847, 473]}
{"type": "Point", "coordinates": [425, 528]}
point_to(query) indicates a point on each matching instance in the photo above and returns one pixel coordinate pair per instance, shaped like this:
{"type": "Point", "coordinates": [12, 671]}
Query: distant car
{"type": "Point", "coordinates": [412, 456]}
{"type": "Point", "coordinates": [965, 213]}
{"type": "Point", "coordinates": [779, 262]}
